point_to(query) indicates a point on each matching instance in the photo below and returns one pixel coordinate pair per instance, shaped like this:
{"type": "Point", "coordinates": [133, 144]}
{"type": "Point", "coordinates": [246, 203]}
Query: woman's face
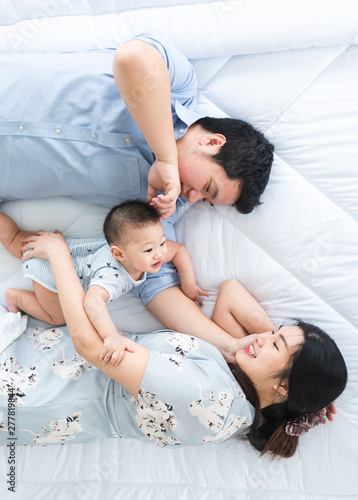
{"type": "Point", "coordinates": [266, 358]}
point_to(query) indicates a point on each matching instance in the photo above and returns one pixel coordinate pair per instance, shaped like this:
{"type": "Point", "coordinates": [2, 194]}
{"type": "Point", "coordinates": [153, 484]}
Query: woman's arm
{"type": "Point", "coordinates": [237, 312]}
{"type": "Point", "coordinates": [52, 246]}
{"type": "Point", "coordinates": [143, 81]}
{"type": "Point", "coordinates": [176, 311]}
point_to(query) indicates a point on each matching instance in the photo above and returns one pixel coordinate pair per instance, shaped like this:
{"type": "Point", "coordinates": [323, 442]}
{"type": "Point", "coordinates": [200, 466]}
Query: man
{"type": "Point", "coordinates": [221, 161]}
{"type": "Point", "coordinates": [67, 131]}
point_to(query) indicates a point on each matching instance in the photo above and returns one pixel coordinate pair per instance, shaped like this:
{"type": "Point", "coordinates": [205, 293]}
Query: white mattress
{"type": "Point", "coordinates": [291, 69]}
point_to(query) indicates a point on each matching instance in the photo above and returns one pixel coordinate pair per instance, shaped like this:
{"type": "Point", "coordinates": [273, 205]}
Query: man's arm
{"type": "Point", "coordinates": [179, 255]}
{"type": "Point", "coordinates": [143, 81]}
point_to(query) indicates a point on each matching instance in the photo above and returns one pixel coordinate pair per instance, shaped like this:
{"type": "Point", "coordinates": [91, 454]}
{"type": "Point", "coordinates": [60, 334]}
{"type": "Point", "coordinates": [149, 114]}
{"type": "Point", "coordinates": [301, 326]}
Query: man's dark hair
{"type": "Point", "coordinates": [246, 155]}
{"type": "Point", "coordinates": [131, 214]}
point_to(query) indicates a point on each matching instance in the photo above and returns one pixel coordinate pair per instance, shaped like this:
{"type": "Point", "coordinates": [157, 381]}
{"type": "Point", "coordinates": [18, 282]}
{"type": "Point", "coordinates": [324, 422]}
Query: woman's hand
{"type": "Point", "coordinates": [237, 345]}
{"type": "Point", "coordinates": [330, 411]}
{"type": "Point", "coordinates": [44, 244]}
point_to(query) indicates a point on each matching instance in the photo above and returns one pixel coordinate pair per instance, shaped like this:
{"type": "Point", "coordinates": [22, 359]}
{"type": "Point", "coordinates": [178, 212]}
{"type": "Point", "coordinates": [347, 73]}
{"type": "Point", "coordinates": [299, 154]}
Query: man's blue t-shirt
{"type": "Point", "coordinates": [65, 131]}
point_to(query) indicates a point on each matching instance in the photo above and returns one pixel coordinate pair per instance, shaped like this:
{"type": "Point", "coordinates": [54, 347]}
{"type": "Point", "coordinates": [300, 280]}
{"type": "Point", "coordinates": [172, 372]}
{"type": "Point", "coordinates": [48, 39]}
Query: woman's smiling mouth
{"type": "Point", "coordinates": [250, 350]}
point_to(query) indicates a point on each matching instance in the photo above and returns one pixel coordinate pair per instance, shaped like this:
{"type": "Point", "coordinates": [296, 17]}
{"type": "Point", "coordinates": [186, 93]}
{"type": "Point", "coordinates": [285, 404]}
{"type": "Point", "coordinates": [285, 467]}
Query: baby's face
{"type": "Point", "coordinates": [145, 249]}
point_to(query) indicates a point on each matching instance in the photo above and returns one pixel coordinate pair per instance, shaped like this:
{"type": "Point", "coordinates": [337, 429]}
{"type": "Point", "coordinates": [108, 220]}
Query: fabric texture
{"type": "Point", "coordinates": [92, 149]}
{"type": "Point", "coordinates": [85, 137]}
{"type": "Point", "coordinates": [291, 69]}
{"type": "Point", "coordinates": [12, 325]}
{"type": "Point", "coordinates": [94, 264]}
{"type": "Point", "coordinates": [188, 395]}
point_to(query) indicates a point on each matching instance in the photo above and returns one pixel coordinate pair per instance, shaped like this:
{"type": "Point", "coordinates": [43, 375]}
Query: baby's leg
{"type": "Point", "coordinates": [43, 304]}
{"type": "Point", "coordinates": [11, 235]}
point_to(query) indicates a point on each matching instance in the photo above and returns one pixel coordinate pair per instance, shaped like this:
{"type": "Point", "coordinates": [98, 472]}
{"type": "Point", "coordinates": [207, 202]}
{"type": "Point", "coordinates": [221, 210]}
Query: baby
{"type": "Point", "coordinates": [107, 268]}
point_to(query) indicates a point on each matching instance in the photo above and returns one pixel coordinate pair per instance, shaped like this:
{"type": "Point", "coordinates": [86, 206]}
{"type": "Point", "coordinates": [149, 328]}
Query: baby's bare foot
{"type": "Point", "coordinates": [10, 296]}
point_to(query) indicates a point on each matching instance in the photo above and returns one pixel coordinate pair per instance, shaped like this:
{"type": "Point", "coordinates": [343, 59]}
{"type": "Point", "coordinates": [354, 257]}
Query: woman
{"type": "Point", "coordinates": [173, 389]}
{"type": "Point", "coordinates": [305, 378]}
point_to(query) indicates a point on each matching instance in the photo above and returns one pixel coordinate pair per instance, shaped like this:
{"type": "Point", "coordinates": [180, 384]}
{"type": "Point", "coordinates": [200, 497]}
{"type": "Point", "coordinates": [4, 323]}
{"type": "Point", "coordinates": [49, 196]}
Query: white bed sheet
{"type": "Point", "coordinates": [291, 69]}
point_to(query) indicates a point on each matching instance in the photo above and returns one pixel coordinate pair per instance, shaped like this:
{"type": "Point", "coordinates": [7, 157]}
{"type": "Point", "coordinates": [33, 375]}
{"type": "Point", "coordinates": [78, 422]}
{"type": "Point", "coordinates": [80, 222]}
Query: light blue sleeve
{"type": "Point", "coordinates": [182, 75]}
{"type": "Point", "coordinates": [110, 280]}
{"type": "Point", "coordinates": [188, 395]}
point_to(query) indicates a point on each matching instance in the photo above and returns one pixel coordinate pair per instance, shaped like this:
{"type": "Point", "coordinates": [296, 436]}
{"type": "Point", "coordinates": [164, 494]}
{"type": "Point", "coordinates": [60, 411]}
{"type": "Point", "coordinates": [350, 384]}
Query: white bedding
{"type": "Point", "coordinates": [291, 69]}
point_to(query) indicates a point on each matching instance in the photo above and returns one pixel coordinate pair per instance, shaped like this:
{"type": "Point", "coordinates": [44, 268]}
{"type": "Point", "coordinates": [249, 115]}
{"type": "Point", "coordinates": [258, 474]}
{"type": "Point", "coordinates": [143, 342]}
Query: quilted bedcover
{"type": "Point", "coordinates": [291, 69]}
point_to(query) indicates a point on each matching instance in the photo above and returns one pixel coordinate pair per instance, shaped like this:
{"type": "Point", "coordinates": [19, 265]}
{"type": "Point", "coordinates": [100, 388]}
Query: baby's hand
{"type": "Point", "coordinates": [194, 292]}
{"type": "Point", "coordinates": [113, 350]}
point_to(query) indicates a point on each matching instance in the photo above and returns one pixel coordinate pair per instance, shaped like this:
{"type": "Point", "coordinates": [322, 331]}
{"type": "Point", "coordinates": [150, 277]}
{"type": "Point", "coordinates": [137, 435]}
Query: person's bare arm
{"type": "Point", "coordinates": [179, 255]}
{"type": "Point", "coordinates": [114, 344]}
{"type": "Point", "coordinates": [143, 81]}
{"type": "Point", "coordinates": [129, 373]}
{"type": "Point", "coordinates": [11, 235]}
{"type": "Point", "coordinates": [177, 312]}
{"type": "Point", "coordinates": [238, 312]}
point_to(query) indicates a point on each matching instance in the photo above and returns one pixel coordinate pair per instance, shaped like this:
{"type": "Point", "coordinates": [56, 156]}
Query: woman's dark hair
{"type": "Point", "coordinates": [246, 155]}
{"type": "Point", "coordinates": [316, 374]}
{"type": "Point", "coordinates": [131, 214]}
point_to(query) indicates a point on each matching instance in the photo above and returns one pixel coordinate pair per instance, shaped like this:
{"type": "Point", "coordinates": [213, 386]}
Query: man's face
{"type": "Point", "coordinates": [201, 178]}
{"type": "Point", "coordinates": [208, 180]}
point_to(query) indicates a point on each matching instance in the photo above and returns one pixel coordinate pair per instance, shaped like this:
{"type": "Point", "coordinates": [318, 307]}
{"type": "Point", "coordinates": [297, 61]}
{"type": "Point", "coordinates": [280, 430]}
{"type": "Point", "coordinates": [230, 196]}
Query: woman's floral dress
{"type": "Point", "coordinates": [188, 395]}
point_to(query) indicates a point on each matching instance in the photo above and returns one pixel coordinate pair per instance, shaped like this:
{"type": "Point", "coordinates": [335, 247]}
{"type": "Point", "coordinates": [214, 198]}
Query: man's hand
{"type": "Point", "coordinates": [113, 350]}
{"type": "Point", "coordinates": [164, 177]}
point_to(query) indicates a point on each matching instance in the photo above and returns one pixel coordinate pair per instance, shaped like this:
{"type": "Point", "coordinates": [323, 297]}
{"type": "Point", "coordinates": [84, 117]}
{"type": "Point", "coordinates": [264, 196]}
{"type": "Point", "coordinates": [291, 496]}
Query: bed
{"type": "Point", "coordinates": [291, 69]}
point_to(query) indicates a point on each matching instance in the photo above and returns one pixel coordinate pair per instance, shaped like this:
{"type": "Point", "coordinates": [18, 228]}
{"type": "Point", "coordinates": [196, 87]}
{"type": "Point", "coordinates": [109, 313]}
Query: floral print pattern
{"type": "Point", "coordinates": [232, 425]}
{"type": "Point", "coordinates": [59, 430]}
{"type": "Point", "coordinates": [176, 360]}
{"type": "Point", "coordinates": [71, 368]}
{"type": "Point", "coordinates": [188, 395]}
{"type": "Point", "coordinates": [213, 413]}
{"type": "Point", "coordinates": [182, 343]}
{"type": "Point", "coordinates": [14, 376]}
{"type": "Point", "coordinates": [45, 340]}
{"type": "Point", "coordinates": [154, 418]}
{"type": "Point", "coordinates": [2, 422]}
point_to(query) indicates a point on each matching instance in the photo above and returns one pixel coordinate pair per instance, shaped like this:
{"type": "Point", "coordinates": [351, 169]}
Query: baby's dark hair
{"type": "Point", "coordinates": [131, 214]}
